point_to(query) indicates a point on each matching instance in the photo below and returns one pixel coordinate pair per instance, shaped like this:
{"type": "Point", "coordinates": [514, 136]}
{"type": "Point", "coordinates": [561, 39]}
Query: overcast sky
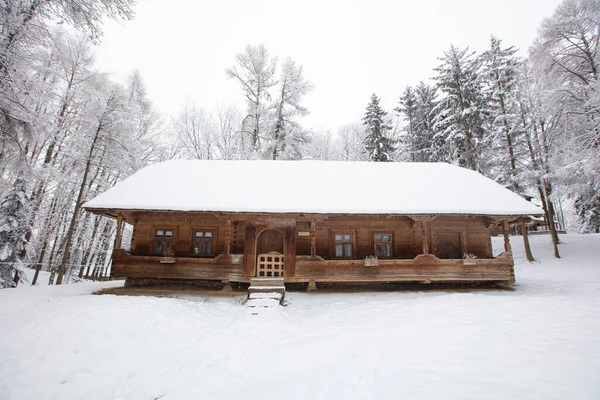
{"type": "Point", "coordinates": [349, 49]}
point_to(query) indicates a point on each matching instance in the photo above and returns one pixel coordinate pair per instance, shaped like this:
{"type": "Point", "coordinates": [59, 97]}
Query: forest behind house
{"type": "Point", "coordinates": [69, 132]}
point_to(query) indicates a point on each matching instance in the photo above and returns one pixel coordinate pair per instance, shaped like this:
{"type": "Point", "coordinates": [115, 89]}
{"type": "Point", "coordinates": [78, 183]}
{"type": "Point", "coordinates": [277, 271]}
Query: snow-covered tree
{"type": "Point", "coordinates": [255, 69]}
{"type": "Point", "coordinates": [14, 216]}
{"type": "Point", "coordinates": [196, 133]}
{"type": "Point", "coordinates": [286, 134]}
{"type": "Point", "coordinates": [378, 143]}
{"type": "Point", "coordinates": [459, 116]}
{"type": "Point", "coordinates": [416, 107]}
{"type": "Point", "coordinates": [500, 69]}
{"type": "Point", "coordinates": [566, 62]}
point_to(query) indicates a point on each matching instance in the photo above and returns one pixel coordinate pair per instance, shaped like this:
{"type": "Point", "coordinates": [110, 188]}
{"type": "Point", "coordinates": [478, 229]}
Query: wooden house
{"type": "Point", "coordinates": [310, 222]}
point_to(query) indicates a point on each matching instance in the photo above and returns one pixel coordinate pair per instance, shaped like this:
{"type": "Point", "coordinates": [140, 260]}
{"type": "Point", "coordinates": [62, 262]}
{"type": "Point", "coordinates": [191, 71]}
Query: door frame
{"type": "Point", "coordinates": [256, 250]}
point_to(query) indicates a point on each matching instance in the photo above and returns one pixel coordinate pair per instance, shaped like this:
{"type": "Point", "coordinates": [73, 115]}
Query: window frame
{"type": "Point", "coordinates": [173, 240]}
{"type": "Point", "coordinates": [374, 243]}
{"type": "Point", "coordinates": [213, 241]}
{"type": "Point", "coordinates": [352, 241]}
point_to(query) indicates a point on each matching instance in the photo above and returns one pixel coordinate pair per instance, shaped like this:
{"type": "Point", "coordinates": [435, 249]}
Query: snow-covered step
{"type": "Point", "coordinates": [267, 285]}
{"type": "Point", "coordinates": [259, 299]}
{"type": "Point", "coordinates": [267, 282]}
{"type": "Point", "coordinates": [265, 292]}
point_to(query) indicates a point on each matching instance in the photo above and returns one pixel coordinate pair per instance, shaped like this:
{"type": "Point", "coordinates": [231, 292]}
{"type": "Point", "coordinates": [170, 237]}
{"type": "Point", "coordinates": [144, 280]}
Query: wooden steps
{"type": "Point", "coordinates": [265, 292]}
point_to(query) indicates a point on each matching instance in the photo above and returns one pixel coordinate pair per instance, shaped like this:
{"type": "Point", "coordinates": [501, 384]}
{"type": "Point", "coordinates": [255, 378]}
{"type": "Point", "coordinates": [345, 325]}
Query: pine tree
{"type": "Point", "coordinates": [459, 114]}
{"type": "Point", "coordinates": [13, 223]}
{"type": "Point", "coordinates": [416, 107]}
{"type": "Point", "coordinates": [378, 144]}
{"type": "Point", "coordinates": [500, 67]}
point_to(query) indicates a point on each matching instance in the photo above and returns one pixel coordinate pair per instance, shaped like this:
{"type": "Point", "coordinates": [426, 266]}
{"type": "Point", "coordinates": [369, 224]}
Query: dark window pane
{"type": "Point", "coordinates": [166, 246]}
{"type": "Point", "coordinates": [338, 250]}
{"type": "Point", "coordinates": [378, 249]}
{"type": "Point", "coordinates": [158, 246]}
{"type": "Point", "coordinates": [348, 250]}
{"type": "Point", "coordinates": [388, 250]}
{"type": "Point", "coordinates": [207, 248]}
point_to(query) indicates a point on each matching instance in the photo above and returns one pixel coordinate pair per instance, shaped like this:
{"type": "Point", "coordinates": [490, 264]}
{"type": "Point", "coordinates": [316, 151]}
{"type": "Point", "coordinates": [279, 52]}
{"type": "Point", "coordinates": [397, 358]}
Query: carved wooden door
{"type": "Point", "coordinates": [269, 262]}
{"type": "Point", "coordinates": [449, 246]}
{"type": "Point", "coordinates": [270, 240]}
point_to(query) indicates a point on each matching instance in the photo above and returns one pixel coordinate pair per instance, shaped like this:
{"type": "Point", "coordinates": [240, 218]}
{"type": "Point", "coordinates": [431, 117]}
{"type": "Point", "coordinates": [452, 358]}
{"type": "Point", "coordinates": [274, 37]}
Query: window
{"type": "Point", "coordinates": [382, 243]}
{"type": "Point", "coordinates": [344, 245]}
{"type": "Point", "coordinates": [163, 241]}
{"type": "Point", "coordinates": [202, 243]}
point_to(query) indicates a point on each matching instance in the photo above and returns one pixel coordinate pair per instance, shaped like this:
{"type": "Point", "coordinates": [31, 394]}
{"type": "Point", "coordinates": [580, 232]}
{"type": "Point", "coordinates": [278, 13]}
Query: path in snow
{"type": "Point", "coordinates": [541, 341]}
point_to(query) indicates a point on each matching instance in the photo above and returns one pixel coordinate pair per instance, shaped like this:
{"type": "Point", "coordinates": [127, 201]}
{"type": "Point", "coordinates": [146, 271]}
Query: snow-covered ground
{"type": "Point", "coordinates": [541, 341]}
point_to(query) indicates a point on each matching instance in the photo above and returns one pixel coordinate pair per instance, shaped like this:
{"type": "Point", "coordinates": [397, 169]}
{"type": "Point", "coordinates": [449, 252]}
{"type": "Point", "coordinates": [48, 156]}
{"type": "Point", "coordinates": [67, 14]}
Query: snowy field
{"type": "Point", "coordinates": [541, 341]}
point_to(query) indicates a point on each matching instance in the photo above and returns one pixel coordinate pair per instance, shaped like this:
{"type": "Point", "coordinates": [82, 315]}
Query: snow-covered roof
{"type": "Point", "coordinates": [322, 187]}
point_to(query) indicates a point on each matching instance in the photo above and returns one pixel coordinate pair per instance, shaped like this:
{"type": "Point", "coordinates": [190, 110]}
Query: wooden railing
{"type": "Point", "coordinates": [424, 268]}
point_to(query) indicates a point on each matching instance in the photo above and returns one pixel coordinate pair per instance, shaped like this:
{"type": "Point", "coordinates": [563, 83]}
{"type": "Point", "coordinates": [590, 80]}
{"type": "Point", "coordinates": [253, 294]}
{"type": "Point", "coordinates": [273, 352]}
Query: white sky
{"type": "Point", "coordinates": [349, 49]}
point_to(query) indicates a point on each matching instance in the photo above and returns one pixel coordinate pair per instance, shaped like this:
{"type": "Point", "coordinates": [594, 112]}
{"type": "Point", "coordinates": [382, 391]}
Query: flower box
{"type": "Point", "coordinates": [371, 261]}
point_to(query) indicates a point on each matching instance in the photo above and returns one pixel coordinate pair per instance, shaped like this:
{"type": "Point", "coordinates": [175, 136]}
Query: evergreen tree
{"type": "Point", "coordinates": [377, 142]}
{"type": "Point", "coordinates": [459, 117]}
{"type": "Point", "coordinates": [500, 67]}
{"type": "Point", "coordinates": [416, 107]}
{"type": "Point", "coordinates": [13, 241]}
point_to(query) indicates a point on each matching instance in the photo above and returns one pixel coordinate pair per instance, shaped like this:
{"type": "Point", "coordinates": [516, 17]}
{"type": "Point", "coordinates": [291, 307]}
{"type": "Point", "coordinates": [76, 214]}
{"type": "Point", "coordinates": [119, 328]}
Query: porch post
{"type": "Point", "coordinates": [290, 251]}
{"type": "Point", "coordinates": [425, 236]}
{"type": "Point", "coordinates": [313, 238]}
{"type": "Point", "coordinates": [507, 247]}
{"type": "Point", "coordinates": [117, 245]}
{"type": "Point", "coordinates": [228, 236]}
{"type": "Point", "coordinates": [249, 249]}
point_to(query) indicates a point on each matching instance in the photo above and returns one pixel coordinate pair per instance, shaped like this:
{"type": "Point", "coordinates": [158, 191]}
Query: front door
{"type": "Point", "coordinates": [449, 246]}
{"type": "Point", "coordinates": [269, 262]}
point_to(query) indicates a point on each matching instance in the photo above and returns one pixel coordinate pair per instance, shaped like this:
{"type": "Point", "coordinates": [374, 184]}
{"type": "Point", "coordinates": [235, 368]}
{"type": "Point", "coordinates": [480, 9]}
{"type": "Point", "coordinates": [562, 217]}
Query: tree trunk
{"type": "Point", "coordinates": [526, 241]}
{"type": "Point", "coordinates": [66, 258]}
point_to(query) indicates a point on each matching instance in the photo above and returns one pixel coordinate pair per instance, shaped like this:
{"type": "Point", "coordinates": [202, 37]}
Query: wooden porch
{"type": "Point", "coordinates": [425, 268]}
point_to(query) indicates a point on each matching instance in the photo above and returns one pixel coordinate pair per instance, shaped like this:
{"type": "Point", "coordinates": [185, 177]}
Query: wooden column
{"type": "Point", "coordinates": [507, 247]}
{"type": "Point", "coordinates": [228, 236]}
{"type": "Point", "coordinates": [425, 236]}
{"type": "Point", "coordinates": [290, 251]}
{"type": "Point", "coordinates": [313, 238]}
{"type": "Point", "coordinates": [249, 249]}
{"type": "Point", "coordinates": [526, 241]}
{"type": "Point", "coordinates": [117, 245]}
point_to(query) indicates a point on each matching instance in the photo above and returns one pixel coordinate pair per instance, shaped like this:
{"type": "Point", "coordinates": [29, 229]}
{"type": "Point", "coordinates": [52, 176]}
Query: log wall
{"type": "Point", "coordinates": [300, 233]}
